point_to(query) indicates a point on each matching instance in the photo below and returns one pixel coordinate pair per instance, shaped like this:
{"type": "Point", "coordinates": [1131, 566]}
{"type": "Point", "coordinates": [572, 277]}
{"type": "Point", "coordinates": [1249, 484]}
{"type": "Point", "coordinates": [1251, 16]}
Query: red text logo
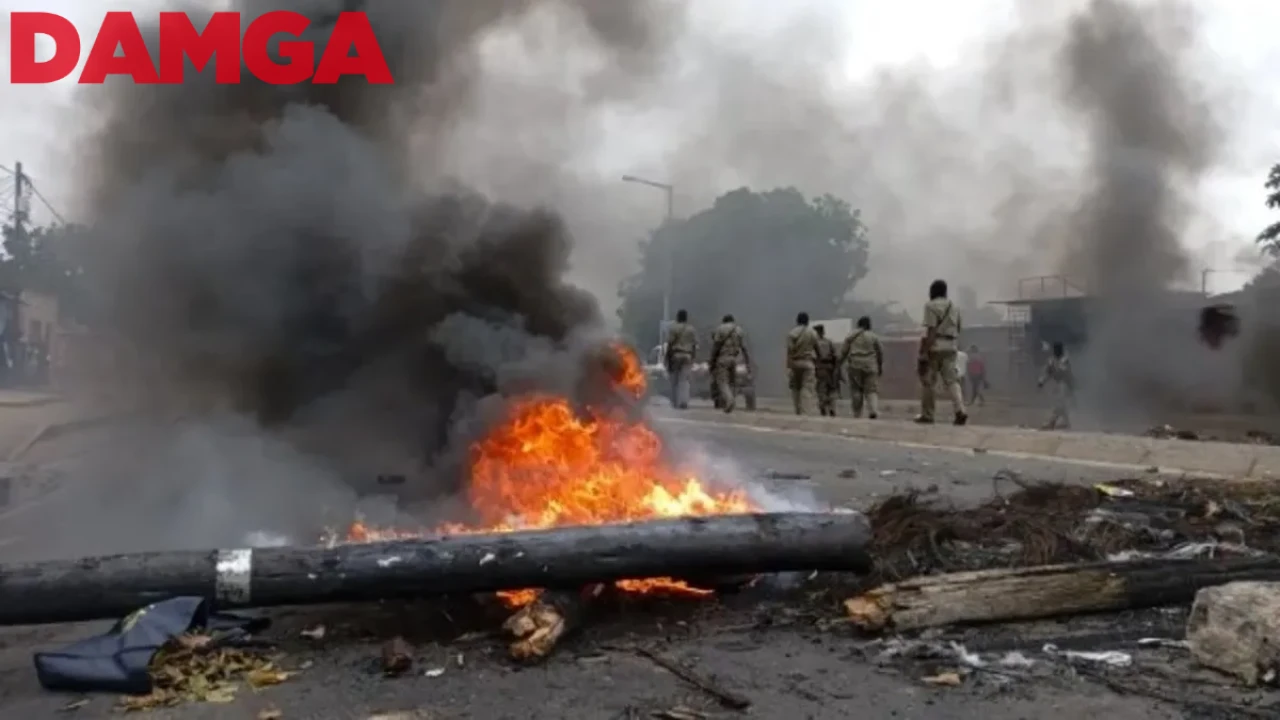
{"type": "Point", "coordinates": [119, 49]}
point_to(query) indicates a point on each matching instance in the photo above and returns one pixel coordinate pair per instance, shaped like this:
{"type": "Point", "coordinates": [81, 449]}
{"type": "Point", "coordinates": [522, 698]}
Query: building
{"type": "Point", "coordinates": [1051, 309]}
{"type": "Point", "coordinates": [902, 348]}
{"type": "Point", "coordinates": [28, 335]}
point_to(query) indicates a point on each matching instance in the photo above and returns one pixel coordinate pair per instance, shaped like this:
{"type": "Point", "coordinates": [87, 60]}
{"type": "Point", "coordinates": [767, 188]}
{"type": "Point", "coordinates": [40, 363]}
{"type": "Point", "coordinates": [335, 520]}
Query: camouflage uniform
{"type": "Point", "coordinates": [938, 361]}
{"type": "Point", "coordinates": [802, 353]}
{"type": "Point", "coordinates": [827, 376]}
{"type": "Point", "coordinates": [1058, 374]}
{"type": "Point", "coordinates": [682, 347]}
{"type": "Point", "coordinates": [863, 355]}
{"type": "Point", "coordinates": [728, 348]}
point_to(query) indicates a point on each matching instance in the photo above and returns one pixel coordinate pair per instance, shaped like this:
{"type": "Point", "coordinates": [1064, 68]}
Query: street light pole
{"type": "Point", "coordinates": [668, 259]}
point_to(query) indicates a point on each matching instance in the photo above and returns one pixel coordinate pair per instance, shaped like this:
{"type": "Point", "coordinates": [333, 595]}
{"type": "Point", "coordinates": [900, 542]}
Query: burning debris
{"type": "Point", "coordinates": [550, 464]}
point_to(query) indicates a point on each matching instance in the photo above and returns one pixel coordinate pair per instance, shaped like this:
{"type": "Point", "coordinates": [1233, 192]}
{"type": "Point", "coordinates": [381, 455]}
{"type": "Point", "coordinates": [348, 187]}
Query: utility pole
{"type": "Point", "coordinates": [19, 204]}
{"type": "Point", "coordinates": [668, 259]}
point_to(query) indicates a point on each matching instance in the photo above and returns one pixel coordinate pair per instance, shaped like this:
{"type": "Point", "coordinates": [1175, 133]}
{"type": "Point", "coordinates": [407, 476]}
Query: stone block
{"type": "Point", "coordinates": [1235, 629]}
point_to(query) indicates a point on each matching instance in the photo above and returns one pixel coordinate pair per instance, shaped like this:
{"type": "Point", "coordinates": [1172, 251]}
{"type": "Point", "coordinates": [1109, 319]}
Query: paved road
{"type": "Point", "coordinates": [853, 472]}
{"type": "Point", "coordinates": [789, 668]}
{"type": "Point", "coordinates": [1033, 412]}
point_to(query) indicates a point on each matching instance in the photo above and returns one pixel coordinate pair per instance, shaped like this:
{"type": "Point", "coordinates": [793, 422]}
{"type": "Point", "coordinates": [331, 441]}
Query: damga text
{"type": "Point", "coordinates": [119, 49]}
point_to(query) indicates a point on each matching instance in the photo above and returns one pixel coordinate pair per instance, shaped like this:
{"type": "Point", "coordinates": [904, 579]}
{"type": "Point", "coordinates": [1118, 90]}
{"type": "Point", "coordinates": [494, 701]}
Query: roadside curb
{"type": "Point", "coordinates": [57, 428]}
{"type": "Point", "coordinates": [1230, 460]}
{"type": "Point", "coordinates": [30, 402]}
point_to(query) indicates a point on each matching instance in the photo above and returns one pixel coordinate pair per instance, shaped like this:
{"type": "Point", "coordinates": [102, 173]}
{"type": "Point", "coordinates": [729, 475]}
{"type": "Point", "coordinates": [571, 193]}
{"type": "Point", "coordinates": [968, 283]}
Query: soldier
{"type": "Point", "coordinates": [863, 355]}
{"type": "Point", "coordinates": [1058, 372]}
{"type": "Point", "coordinates": [802, 353]}
{"type": "Point", "coordinates": [826, 372]}
{"type": "Point", "coordinates": [682, 347]}
{"type": "Point", "coordinates": [728, 347]}
{"type": "Point", "coordinates": [938, 354]}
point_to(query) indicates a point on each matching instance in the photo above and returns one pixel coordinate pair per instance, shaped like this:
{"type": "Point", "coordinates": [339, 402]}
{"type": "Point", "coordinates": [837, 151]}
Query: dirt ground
{"type": "Point", "coordinates": [781, 645]}
{"type": "Point", "coordinates": [783, 657]}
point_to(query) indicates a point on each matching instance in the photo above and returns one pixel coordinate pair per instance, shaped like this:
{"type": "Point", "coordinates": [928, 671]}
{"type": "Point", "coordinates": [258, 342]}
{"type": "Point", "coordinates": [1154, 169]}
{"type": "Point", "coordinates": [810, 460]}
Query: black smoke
{"type": "Point", "coordinates": [289, 256]}
{"type": "Point", "coordinates": [1151, 135]}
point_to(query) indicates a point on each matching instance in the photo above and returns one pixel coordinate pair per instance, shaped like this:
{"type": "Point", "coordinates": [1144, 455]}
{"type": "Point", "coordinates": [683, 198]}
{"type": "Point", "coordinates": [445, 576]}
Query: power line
{"type": "Point", "coordinates": [17, 189]}
{"type": "Point", "coordinates": [47, 206]}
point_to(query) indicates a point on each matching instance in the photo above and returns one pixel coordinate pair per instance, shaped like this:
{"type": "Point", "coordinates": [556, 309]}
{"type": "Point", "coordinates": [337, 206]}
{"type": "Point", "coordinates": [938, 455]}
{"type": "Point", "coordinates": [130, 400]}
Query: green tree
{"type": "Point", "coordinates": [1269, 238]}
{"type": "Point", "coordinates": [45, 259]}
{"type": "Point", "coordinates": [762, 256]}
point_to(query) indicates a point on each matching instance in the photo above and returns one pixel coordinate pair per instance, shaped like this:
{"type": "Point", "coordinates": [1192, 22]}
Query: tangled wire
{"type": "Point", "coordinates": [1050, 523]}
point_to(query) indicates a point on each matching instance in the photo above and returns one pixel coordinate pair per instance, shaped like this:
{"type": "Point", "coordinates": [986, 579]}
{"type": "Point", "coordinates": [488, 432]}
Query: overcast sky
{"type": "Point", "coordinates": [35, 121]}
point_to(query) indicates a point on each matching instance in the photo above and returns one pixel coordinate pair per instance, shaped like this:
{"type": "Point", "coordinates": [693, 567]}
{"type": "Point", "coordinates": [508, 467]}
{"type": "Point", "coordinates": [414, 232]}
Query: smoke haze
{"type": "Point", "coordinates": [362, 268]}
{"type": "Point", "coordinates": [300, 260]}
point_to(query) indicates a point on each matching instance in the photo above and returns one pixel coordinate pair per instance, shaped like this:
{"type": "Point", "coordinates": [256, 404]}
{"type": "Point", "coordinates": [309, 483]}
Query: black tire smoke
{"type": "Point", "coordinates": [288, 252]}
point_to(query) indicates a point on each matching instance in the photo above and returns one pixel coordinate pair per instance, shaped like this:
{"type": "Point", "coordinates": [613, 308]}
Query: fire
{"type": "Point", "coordinates": [630, 375]}
{"type": "Point", "coordinates": [548, 465]}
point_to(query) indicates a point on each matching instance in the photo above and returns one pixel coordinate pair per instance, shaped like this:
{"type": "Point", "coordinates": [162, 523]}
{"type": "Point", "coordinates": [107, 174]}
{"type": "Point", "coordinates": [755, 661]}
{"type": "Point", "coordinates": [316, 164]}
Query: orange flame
{"type": "Point", "coordinates": [548, 466]}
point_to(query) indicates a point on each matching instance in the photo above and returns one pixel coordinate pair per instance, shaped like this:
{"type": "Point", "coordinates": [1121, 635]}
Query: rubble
{"type": "Point", "coordinates": [397, 657]}
{"type": "Point", "coordinates": [1235, 628]}
{"type": "Point", "coordinates": [1053, 550]}
{"type": "Point", "coordinates": [1053, 524]}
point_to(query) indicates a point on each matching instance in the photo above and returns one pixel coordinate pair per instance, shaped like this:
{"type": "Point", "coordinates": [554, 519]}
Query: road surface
{"type": "Point", "coordinates": [855, 473]}
{"type": "Point", "coordinates": [786, 665]}
{"type": "Point", "coordinates": [1033, 412]}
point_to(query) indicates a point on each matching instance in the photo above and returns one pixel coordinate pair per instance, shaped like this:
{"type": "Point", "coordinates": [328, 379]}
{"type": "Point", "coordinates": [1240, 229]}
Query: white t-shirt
{"type": "Point", "coordinates": [962, 363]}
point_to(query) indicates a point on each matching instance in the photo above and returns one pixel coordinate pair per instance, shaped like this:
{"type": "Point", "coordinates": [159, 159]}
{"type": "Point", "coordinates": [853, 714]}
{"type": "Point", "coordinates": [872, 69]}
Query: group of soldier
{"type": "Point", "coordinates": [815, 365]}
{"type": "Point", "coordinates": [728, 351]}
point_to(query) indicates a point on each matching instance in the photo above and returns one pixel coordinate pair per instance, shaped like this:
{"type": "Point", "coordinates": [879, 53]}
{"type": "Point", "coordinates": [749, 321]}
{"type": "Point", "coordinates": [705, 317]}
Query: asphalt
{"type": "Point", "coordinates": [803, 467]}
{"type": "Point", "coordinates": [780, 654]}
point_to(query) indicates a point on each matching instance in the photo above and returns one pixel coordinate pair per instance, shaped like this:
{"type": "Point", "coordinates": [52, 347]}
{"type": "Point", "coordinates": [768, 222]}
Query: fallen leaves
{"type": "Point", "coordinates": [193, 669]}
{"type": "Point", "coordinates": [266, 676]}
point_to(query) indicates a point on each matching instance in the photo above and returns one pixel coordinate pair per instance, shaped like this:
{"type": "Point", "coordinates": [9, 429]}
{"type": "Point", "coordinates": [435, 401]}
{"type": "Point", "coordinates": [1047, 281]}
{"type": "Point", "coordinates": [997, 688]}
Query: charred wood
{"type": "Point", "coordinates": [1046, 591]}
{"type": "Point", "coordinates": [538, 627]}
{"type": "Point", "coordinates": [566, 558]}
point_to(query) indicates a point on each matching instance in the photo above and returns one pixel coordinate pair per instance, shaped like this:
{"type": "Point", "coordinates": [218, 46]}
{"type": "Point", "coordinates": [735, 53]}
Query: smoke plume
{"type": "Point", "coordinates": [1152, 135]}
{"type": "Point", "coordinates": [299, 259]}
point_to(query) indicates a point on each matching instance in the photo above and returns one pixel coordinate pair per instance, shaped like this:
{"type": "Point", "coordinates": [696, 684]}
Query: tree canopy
{"type": "Point", "coordinates": [1269, 238]}
{"type": "Point", "coordinates": [43, 259]}
{"type": "Point", "coordinates": [762, 256]}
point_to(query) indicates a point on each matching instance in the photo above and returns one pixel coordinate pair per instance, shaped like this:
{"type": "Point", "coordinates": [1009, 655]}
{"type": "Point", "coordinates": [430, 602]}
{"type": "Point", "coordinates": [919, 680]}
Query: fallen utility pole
{"type": "Point", "coordinates": [565, 558]}
{"type": "Point", "coordinates": [1046, 591]}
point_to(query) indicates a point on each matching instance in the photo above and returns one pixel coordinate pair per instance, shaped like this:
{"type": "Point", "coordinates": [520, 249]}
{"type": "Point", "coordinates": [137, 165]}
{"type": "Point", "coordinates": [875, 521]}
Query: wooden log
{"type": "Point", "coordinates": [1046, 591]}
{"type": "Point", "coordinates": [540, 625]}
{"type": "Point", "coordinates": [103, 587]}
